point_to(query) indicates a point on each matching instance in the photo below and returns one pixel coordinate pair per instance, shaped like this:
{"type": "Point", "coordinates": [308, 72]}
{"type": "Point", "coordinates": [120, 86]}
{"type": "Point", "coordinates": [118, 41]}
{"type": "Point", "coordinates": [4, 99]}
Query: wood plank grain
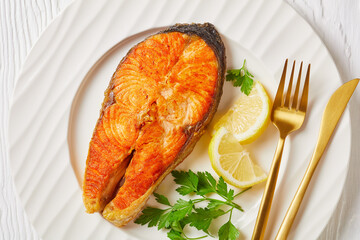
{"type": "Point", "coordinates": [337, 25]}
{"type": "Point", "coordinates": [21, 23]}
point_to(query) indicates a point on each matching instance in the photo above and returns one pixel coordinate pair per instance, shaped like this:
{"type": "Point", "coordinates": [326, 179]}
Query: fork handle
{"type": "Point", "coordinates": [263, 215]}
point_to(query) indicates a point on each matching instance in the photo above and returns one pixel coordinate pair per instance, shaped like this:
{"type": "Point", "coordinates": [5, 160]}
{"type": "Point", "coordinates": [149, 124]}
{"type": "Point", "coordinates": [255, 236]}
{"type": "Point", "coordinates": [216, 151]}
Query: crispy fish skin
{"type": "Point", "coordinates": [162, 95]}
{"type": "Point", "coordinates": [132, 90]}
{"type": "Point", "coordinates": [108, 156]}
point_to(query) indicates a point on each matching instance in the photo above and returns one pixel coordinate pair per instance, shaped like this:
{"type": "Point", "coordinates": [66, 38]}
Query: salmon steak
{"type": "Point", "coordinates": [159, 100]}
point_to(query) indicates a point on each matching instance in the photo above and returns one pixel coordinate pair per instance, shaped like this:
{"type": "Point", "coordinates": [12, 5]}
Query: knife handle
{"type": "Point", "coordinates": [296, 202]}
{"type": "Point", "coordinates": [333, 111]}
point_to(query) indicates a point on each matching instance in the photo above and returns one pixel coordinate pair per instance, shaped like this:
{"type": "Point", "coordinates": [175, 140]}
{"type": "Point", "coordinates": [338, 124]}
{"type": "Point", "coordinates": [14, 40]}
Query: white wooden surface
{"type": "Point", "coordinates": [22, 21]}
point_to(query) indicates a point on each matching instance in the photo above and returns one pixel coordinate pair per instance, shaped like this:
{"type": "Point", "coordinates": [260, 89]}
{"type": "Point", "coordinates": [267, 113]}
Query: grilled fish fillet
{"type": "Point", "coordinates": [161, 96]}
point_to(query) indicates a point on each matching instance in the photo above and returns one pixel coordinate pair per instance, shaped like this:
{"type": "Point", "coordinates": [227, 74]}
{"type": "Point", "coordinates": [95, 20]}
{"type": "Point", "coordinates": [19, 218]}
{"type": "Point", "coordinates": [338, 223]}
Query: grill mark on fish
{"type": "Point", "coordinates": [168, 102]}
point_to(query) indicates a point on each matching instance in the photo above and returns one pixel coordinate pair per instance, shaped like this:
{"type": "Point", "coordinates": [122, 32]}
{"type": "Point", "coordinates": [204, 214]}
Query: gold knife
{"type": "Point", "coordinates": [333, 111]}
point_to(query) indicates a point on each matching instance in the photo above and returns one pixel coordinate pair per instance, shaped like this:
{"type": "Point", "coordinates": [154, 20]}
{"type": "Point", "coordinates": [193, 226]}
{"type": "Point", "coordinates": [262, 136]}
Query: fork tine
{"type": "Point", "coordinates": [288, 94]}
{"type": "Point", "coordinates": [296, 94]}
{"type": "Point", "coordinates": [280, 90]}
{"type": "Point", "coordinates": [304, 97]}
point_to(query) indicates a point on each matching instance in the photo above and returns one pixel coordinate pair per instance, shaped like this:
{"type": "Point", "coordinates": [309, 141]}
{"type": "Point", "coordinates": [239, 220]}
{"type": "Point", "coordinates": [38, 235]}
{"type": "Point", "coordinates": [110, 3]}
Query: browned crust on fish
{"type": "Point", "coordinates": [208, 33]}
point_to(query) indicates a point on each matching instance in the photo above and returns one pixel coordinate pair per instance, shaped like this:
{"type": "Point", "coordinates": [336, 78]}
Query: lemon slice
{"type": "Point", "coordinates": [231, 161]}
{"type": "Point", "coordinates": [248, 118]}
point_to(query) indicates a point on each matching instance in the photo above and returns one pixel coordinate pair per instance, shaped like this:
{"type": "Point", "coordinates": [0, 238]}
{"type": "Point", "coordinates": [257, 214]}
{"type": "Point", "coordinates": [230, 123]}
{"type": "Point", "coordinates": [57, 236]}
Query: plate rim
{"type": "Point", "coordinates": [73, 3]}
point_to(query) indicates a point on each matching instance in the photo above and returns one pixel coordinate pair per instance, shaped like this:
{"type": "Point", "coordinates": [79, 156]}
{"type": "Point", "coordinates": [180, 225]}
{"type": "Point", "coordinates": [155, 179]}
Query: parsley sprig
{"type": "Point", "coordinates": [186, 212]}
{"type": "Point", "coordinates": [241, 78]}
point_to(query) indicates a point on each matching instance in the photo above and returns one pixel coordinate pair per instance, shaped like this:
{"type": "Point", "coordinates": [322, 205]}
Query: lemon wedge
{"type": "Point", "coordinates": [232, 161]}
{"type": "Point", "coordinates": [248, 118]}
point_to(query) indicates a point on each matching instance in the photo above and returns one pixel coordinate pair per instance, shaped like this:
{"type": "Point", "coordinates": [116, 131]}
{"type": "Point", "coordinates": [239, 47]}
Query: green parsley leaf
{"type": "Point", "coordinates": [180, 209]}
{"type": "Point", "coordinates": [232, 74]}
{"type": "Point", "coordinates": [202, 217]}
{"type": "Point", "coordinates": [183, 190]}
{"type": "Point", "coordinates": [211, 179]}
{"type": "Point", "coordinates": [187, 180]}
{"type": "Point", "coordinates": [241, 78]}
{"type": "Point", "coordinates": [204, 185]}
{"type": "Point", "coordinates": [214, 204]}
{"type": "Point", "coordinates": [162, 199]}
{"type": "Point", "coordinates": [165, 221]}
{"type": "Point", "coordinates": [151, 216]}
{"type": "Point", "coordinates": [193, 179]}
{"type": "Point", "coordinates": [185, 212]}
{"type": "Point", "coordinates": [228, 232]}
{"type": "Point", "coordinates": [222, 188]}
{"type": "Point", "coordinates": [181, 204]}
{"type": "Point", "coordinates": [247, 84]}
{"type": "Point", "coordinates": [230, 195]}
{"type": "Point", "coordinates": [175, 235]}
{"type": "Point", "coordinates": [178, 226]}
{"type": "Point", "coordinates": [201, 224]}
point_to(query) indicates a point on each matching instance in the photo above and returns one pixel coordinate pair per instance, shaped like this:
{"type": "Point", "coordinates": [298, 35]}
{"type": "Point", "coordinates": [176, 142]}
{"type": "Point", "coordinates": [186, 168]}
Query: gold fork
{"type": "Point", "coordinates": [287, 118]}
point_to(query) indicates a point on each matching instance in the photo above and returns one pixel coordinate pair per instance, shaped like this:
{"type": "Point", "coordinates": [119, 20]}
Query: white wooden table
{"type": "Point", "coordinates": [21, 22]}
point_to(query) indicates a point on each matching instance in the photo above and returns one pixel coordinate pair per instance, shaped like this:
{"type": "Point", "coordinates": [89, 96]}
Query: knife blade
{"type": "Point", "coordinates": [331, 116]}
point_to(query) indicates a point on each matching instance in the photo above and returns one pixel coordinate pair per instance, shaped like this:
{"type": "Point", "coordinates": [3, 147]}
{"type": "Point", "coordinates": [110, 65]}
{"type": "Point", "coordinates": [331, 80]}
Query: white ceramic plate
{"type": "Point", "coordinates": [57, 99]}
